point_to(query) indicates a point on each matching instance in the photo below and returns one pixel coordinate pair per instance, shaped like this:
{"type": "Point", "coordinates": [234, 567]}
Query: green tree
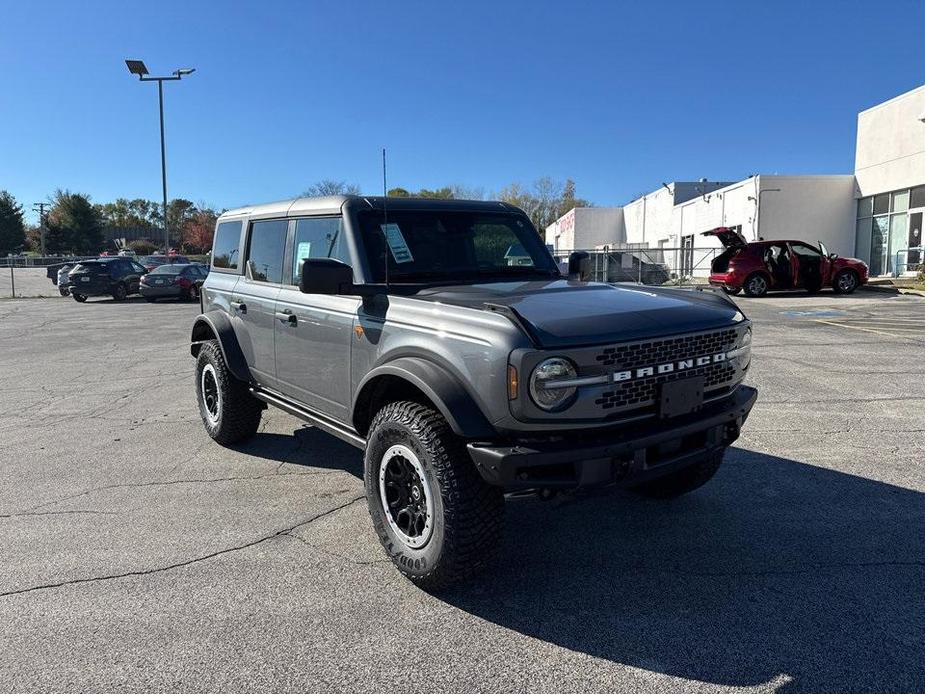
{"type": "Point", "coordinates": [444, 193]}
{"type": "Point", "coordinates": [12, 227]}
{"type": "Point", "coordinates": [399, 193]}
{"type": "Point", "coordinates": [328, 186]}
{"type": "Point", "coordinates": [129, 214]}
{"type": "Point", "coordinates": [75, 225]}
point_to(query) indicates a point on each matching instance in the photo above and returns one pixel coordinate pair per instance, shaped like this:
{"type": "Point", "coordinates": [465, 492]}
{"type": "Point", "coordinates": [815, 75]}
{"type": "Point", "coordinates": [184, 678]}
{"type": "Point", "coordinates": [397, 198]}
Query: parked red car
{"type": "Point", "coordinates": [761, 266]}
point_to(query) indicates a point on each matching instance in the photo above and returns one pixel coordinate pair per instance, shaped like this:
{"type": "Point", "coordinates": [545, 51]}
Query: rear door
{"type": "Point", "coordinates": [254, 297]}
{"type": "Point", "coordinates": [314, 332]}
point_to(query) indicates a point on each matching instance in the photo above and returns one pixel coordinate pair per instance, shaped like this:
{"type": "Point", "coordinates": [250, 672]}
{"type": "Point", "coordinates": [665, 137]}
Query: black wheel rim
{"type": "Point", "coordinates": [406, 497]}
{"type": "Point", "coordinates": [210, 395]}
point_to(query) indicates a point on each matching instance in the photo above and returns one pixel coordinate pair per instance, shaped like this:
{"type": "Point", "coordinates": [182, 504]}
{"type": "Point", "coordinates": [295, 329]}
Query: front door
{"type": "Point", "coordinates": [253, 301]}
{"type": "Point", "coordinates": [314, 332]}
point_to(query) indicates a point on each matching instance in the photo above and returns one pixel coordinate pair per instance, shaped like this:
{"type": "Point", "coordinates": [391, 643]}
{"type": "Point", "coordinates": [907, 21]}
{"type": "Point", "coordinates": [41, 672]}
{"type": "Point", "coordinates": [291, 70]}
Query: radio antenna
{"type": "Point", "coordinates": [385, 221]}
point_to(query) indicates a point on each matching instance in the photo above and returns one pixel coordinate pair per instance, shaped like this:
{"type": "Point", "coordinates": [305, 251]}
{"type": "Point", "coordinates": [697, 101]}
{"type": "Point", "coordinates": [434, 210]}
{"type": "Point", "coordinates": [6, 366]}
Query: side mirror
{"type": "Point", "coordinates": [325, 276]}
{"type": "Point", "coordinates": [579, 265]}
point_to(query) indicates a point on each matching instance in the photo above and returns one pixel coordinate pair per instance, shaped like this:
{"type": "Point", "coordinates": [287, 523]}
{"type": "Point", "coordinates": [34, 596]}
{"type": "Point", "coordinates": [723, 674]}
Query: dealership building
{"type": "Point", "coordinates": [874, 214]}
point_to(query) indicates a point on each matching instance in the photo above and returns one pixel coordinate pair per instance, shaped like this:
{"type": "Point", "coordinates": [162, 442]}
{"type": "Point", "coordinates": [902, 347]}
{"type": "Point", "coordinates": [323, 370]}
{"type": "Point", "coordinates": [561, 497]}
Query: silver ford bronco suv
{"type": "Point", "coordinates": [439, 337]}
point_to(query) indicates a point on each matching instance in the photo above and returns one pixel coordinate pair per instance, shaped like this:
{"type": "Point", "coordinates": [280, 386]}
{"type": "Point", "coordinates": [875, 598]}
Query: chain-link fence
{"type": "Point", "coordinates": [32, 276]}
{"type": "Point", "coordinates": [681, 266]}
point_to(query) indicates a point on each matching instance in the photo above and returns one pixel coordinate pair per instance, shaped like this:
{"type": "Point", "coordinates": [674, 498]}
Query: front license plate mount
{"type": "Point", "coordinates": [681, 397]}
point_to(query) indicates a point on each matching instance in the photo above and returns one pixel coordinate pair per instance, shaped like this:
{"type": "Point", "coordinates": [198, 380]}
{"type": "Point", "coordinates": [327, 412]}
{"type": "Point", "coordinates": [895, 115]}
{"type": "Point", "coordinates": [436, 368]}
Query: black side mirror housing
{"type": "Point", "coordinates": [326, 276]}
{"type": "Point", "coordinates": [579, 265]}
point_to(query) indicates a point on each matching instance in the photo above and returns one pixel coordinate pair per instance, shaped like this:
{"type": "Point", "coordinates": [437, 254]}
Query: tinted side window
{"type": "Point", "coordinates": [321, 237]}
{"type": "Point", "coordinates": [266, 249]}
{"type": "Point", "coordinates": [804, 250]}
{"type": "Point", "coordinates": [225, 247]}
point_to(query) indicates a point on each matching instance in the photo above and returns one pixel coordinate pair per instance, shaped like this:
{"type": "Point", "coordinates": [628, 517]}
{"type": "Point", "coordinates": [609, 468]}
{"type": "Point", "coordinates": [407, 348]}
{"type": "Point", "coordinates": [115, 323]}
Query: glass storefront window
{"type": "Point", "coordinates": [901, 201]}
{"type": "Point", "coordinates": [865, 207]}
{"type": "Point", "coordinates": [899, 239]}
{"type": "Point", "coordinates": [879, 240]}
{"type": "Point", "coordinates": [918, 197]}
{"type": "Point", "coordinates": [862, 240]}
{"type": "Point", "coordinates": [882, 203]}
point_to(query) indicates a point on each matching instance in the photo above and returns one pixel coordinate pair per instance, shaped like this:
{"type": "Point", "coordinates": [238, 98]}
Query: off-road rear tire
{"type": "Point", "coordinates": [460, 530]}
{"type": "Point", "coordinates": [683, 481]}
{"type": "Point", "coordinates": [229, 412]}
{"type": "Point", "coordinates": [119, 292]}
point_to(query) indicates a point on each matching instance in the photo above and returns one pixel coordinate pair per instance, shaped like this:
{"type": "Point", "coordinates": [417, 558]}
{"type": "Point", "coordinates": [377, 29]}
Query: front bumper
{"type": "Point", "coordinates": [626, 456]}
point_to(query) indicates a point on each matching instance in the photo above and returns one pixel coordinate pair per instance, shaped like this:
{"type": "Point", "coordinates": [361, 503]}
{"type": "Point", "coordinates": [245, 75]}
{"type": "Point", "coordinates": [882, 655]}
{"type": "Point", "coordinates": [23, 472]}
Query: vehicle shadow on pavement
{"type": "Point", "coordinates": [776, 571]}
{"type": "Point", "coordinates": [309, 447]}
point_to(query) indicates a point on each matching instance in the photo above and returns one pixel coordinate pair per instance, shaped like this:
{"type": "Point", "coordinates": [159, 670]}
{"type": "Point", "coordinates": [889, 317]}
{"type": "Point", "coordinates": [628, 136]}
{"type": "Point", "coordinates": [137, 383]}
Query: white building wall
{"type": "Point", "coordinates": [585, 228]}
{"type": "Point", "coordinates": [811, 209]}
{"type": "Point", "coordinates": [890, 151]}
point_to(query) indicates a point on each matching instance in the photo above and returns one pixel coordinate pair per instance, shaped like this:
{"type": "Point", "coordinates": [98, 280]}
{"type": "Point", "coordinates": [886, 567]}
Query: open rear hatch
{"type": "Point", "coordinates": [729, 237]}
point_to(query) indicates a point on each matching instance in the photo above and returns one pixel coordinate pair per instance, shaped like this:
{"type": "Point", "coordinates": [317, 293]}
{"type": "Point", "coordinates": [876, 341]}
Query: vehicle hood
{"type": "Point", "coordinates": [564, 313]}
{"type": "Point", "coordinates": [730, 238]}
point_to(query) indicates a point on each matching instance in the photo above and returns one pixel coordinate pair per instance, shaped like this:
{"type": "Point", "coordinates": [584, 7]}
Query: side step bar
{"type": "Point", "coordinates": [323, 422]}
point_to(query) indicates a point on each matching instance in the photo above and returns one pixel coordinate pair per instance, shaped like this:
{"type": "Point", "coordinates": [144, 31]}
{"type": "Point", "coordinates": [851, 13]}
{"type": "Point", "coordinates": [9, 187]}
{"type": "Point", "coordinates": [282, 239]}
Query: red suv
{"type": "Point", "coordinates": [761, 266]}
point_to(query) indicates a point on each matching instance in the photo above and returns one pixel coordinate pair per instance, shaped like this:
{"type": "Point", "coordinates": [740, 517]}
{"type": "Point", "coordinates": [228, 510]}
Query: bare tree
{"type": "Point", "coordinates": [329, 186]}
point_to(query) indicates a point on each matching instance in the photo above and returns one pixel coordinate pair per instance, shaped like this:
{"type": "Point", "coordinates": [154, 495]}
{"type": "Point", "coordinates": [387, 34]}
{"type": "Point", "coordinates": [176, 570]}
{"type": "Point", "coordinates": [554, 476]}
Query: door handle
{"type": "Point", "coordinates": [239, 306]}
{"type": "Point", "coordinates": [287, 316]}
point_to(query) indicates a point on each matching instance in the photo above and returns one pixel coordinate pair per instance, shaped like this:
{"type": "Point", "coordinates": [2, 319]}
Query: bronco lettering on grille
{"type": "Point", "coordinates": [667, 368]}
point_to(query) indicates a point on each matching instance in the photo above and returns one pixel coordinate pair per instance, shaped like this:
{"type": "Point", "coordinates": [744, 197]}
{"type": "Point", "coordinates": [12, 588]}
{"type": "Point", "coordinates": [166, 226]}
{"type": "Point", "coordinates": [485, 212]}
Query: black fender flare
{"type": "Point", "coordinates": [441, 387]}
{"type": "Point", "coordinates": [216, 325]}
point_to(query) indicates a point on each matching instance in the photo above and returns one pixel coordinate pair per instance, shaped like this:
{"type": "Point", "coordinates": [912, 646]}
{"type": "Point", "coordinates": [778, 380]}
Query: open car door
{"type": "Point", "coordinates": [729, 237]}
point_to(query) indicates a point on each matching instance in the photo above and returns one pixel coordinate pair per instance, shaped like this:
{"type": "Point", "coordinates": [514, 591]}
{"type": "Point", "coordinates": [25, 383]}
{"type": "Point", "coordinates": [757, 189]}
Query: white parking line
{"type": "Point", "coordinates": [867, 330]}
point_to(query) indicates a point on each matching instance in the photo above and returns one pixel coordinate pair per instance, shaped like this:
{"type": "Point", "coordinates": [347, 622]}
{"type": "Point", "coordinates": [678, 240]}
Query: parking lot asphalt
{"type": "Point", "coordinates": [138, 555]}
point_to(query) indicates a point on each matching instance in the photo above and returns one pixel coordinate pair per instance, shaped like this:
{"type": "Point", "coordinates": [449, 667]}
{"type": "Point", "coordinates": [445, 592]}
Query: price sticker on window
{"type": "Point", "coordinates": [397, 243]}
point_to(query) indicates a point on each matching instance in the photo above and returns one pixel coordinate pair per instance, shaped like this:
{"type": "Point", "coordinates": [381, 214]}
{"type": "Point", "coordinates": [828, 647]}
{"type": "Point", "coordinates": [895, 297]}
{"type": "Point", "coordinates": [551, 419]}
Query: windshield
{"type": "Point", "coordinates": [168, 269]}
{"type": "Point", "coordinates": [449, 245]}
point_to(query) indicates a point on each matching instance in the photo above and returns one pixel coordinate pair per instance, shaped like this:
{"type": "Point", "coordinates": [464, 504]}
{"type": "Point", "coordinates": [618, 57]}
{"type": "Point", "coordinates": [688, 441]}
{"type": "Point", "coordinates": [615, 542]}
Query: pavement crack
{"type": "Point", "coordinates": [57, 513]}
{"type": "Point", "coordinates": [167, 483]}
{"type": "Point", "coordinates": [186, 562]}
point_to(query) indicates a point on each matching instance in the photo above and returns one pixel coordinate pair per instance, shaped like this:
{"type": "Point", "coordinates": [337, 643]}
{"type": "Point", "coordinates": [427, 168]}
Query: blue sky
{"type": "Point", "coordinates": [618, 96]}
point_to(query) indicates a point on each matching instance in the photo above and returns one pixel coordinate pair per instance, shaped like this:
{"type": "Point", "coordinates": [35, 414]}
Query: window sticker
{"type": "Point", "coordinates": [303, 251]}
{"type": "Point", "coordinates": [397, 243]}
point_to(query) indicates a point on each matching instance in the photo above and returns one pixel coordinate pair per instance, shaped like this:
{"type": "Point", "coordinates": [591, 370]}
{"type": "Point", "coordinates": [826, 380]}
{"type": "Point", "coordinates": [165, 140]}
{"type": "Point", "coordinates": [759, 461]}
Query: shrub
{"type": "Point", "coordinates": [142, 247]}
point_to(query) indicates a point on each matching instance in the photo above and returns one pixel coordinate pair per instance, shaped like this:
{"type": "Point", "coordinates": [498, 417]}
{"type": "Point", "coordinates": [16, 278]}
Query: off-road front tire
{"type": "Point", "coordinates": [229, 412]}
{"type": "Point", "coordinates": [437, 519]}
{"type": "Point", "coordinates": [683, 481]}
{"type": "Point", "coordinates": [63, 291]}
{"type": "Point", "coordinates": [79, 298]}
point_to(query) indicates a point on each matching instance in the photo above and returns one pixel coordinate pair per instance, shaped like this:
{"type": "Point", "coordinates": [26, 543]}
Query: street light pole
{"type": "Point", "coordinates": [137, 67]}
{"type": "Point", "coordinates": [160, 103]}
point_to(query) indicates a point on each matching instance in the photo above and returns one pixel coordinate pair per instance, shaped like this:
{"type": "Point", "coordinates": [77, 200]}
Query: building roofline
{"type": "Point", "coordinates": [890, 101]}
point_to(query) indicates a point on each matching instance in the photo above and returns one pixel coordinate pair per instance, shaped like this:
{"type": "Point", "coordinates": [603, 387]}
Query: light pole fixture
{"type": "Point", "coordinates": [137, 67]}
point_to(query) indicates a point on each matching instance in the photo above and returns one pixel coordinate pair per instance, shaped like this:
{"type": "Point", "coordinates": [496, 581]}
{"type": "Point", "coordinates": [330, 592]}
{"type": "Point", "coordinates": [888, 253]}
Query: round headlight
{"type": "Point", "coordinates": [543, 388]}
{"type": "Point", "coordinates": [744, 350]}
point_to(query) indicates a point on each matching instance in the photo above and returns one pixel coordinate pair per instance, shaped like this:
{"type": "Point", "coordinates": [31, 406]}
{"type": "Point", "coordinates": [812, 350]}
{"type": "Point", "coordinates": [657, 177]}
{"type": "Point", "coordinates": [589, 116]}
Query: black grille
{"type": "Point", "coordinates": [643, 391]}
{"type": "Point", "coordinates": [669, 349]}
